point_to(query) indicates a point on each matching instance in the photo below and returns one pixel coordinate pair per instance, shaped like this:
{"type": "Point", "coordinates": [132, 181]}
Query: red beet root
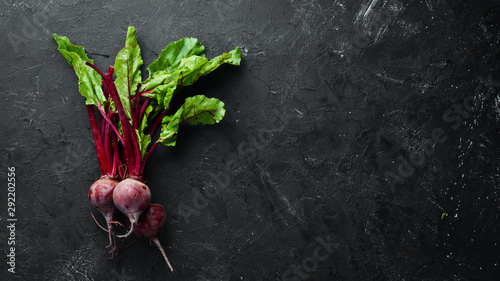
{"type": "Point", "coordinates": [151, 221]}
{"type": "Point", "coordinates": [101, 197]}
{"type": "Point", "coordinates": [150, 225]}
{"type": "Point", "coordinates": [131, 197]}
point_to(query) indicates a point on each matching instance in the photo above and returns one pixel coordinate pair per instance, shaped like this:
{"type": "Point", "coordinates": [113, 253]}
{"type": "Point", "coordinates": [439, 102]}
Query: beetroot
{"type": "Point", "coordinates": [131, 197]}
{"type": "Point", "coordinates": [101, 197]}
{"type": "Point", "coordinates": [150, 225]}
{"type": "Point", "coordinates": [130, 112]}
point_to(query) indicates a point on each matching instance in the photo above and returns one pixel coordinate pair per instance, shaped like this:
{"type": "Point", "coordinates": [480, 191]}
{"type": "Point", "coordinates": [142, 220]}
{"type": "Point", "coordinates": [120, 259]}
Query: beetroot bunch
{"type": "Point", "coordinates": [129, 112]}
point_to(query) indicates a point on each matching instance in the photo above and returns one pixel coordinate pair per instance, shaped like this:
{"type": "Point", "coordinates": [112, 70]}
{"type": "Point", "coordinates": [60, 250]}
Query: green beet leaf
{"type": "Point", "coordinates": [202, 110]}
{"type": "Point", "coordinates": [172, 55]}
{"type": "Point", "coordinates": [127, 70]}
{"type": "Point", "coordinates": [169, 128]}
{"type": "Point", "coordinates": [143, 137]}
{"type": "Point", "coordinates": [195, 110]}
{"type": "Point", "coordinates": [193, 69]}
{"type": "Point", "coordinates": [89, 81]}
{"type": "Point", "coordinates": [163, 83]}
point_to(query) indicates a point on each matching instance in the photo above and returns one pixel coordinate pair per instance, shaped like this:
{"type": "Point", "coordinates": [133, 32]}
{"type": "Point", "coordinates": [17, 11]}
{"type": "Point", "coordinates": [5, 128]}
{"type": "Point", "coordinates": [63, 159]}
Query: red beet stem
{"type": "Point", "coordinates": [127, 128]}
{"type": "Point", "coordinates": [101, 153]}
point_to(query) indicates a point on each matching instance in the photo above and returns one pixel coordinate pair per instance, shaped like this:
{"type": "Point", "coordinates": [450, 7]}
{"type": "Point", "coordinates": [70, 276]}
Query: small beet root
{"type": "Point", "coordinates": [131, 197]}
{"type": "Point", "coordinates": [150, 225]}
{"type": "Point", "coordinates": [151, 221]}
{"type": "Point", "coordinates": [101, 197]}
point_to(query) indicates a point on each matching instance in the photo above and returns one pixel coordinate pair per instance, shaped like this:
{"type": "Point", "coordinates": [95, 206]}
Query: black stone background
{"type": "Point", "coordinates": [330, 102]}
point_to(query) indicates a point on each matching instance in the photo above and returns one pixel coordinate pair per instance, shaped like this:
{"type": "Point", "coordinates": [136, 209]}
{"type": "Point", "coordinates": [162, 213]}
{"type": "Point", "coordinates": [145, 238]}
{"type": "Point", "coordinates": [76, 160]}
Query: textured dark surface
{"type": "Point", "coordinates": [332, 99]}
